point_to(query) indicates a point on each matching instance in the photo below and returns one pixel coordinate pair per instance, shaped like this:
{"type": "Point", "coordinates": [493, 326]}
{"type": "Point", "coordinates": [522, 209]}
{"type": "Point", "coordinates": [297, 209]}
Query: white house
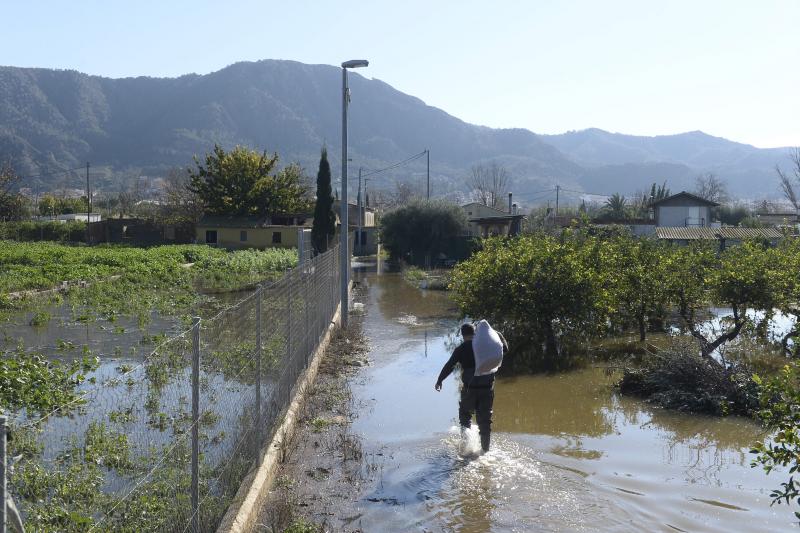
{"type": "Point", "coordinates": [683, 210]}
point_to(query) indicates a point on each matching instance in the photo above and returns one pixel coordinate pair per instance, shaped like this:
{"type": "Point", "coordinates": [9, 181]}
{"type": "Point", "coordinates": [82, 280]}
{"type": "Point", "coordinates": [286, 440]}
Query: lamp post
{"type": "Point", "coordinates": [343, 223]}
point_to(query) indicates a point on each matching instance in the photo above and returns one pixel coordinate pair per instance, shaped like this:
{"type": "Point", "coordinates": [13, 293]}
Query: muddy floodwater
{"type": "Point", "coordinates": [568, 452]}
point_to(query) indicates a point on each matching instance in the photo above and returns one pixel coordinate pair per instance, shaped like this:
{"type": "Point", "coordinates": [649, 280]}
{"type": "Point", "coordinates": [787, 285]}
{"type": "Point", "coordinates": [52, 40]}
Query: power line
{"type": "Point", "coordinates": [586, 193]}
{"type": "Point", "coordinates": [541, 195]}
{"type": "Point", "coordinates": [395, 165]}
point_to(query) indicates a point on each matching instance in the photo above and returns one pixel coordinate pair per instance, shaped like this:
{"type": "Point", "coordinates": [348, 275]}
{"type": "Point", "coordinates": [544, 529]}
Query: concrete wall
{"type": "Point", "coordinates": [683, 215]}
{"type": "Point", "coordinates": [256, 237]}
{"type": "Point", "coordinates": [487, 229]}
{"type": "Point", "coordinates": [369, 240]}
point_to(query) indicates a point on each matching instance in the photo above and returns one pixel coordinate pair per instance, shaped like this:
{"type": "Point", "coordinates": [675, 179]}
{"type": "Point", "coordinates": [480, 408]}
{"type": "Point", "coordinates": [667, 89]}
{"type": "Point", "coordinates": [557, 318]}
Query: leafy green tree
{"type": "Point", "coordinates": [658, 193]}
{"type": "Point", "coordinates": [324, 227]}
{"type": "Point", "coordinates": [537, 289]}
{"type": "Point", "coordinates": [284, 192]}
{"type": "Point", "coordinates": [638, 286]}
{"type": "Point", "coordinates": [645, 201]}
{"type": "Point", "coordinates": [780, 402]}
{"type": "Point", "coordinates": [421, 230]}
{"type": "Point", "coordinates": [48, 205]}
{"type": "Point", "coordinates": [733, 215]}
{"type": "Point", "coordinates": [243, 182]}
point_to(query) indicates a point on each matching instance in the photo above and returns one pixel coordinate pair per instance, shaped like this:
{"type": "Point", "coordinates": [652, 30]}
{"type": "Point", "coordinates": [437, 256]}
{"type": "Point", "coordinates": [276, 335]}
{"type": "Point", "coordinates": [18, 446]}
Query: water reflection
{"type": "Point", "coordinates": [398, 298]}
{"type": "Point", "coordinates": [569, 454]}
{"type": "Point", "coordinates": [536, 404]}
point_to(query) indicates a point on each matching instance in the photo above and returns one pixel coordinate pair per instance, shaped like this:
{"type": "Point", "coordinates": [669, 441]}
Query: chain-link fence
{"type": "Point", "coordinates": [164, 445]}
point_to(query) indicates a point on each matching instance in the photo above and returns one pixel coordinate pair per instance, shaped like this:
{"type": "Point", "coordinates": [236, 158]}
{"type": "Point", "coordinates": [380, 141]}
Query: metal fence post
{"type": "Point", "coordinates": [195, 426]}
{"type": "Point", "coordinates": [3, 486]}
{"type": "Point", "coordinates": [307, 332]}
{"type": "Point", "coordinates": [289, 328]}
{"type": "Point", "coordinates": [259, 293]}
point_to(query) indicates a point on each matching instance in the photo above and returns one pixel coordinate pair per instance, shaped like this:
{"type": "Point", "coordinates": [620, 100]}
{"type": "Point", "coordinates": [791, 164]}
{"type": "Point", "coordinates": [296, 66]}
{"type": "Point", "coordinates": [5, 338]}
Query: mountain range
{"type": "Point", "coordinates": [59, 119]}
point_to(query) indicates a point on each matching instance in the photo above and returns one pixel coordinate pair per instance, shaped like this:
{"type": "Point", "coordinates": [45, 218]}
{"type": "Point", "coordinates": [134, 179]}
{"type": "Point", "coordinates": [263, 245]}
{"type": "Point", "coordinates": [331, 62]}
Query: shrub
{"type": "Point", "coordinates": [422, 231]}
{"type": "Point", "coordinates": [679, 378]}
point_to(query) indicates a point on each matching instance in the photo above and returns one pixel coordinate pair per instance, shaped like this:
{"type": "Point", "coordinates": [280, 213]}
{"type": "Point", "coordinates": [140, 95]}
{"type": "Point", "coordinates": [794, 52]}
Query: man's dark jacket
{"type": "Point", "coordinates": [464, 356]}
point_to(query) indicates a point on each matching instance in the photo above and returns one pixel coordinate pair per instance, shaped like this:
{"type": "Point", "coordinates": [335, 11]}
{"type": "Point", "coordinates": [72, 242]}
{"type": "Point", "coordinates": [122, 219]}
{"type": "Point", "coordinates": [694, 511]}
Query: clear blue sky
{"type": "Point", "coordinates": [728, 67]}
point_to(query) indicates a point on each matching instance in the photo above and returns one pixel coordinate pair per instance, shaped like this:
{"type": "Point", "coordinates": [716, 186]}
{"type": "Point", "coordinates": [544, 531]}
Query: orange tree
{"type": "Point", "coordinates": [744, 277]}
{"type": "Point", "coordinates": [538, 289]}
{"type": "Point", "coordinates": [787, 262]}
{"type": "Point", "coordinates": [637, 271]}
{"type": "Point", "coordinates": [780, 401]}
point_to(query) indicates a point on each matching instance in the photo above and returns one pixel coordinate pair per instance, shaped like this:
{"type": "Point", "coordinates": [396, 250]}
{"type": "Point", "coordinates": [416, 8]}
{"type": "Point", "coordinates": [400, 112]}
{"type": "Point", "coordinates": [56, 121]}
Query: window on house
{"type": "Point", "coordinates": [243, 236]}
{"type": "Point", "coordinates": [363, 238]}
{"type": "Point", "coordinates": [211, 236]}
{"type": "Point", "coordinates": [276, 237]}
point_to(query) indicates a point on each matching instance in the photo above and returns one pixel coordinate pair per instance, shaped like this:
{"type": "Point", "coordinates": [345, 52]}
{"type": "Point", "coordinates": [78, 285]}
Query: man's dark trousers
{"type": "Point", "coordinates": [478, 401]}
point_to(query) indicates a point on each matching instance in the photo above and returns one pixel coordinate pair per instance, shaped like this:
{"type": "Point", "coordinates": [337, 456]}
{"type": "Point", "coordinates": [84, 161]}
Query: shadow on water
{"type": "Point", "coordinates": [568, 453]}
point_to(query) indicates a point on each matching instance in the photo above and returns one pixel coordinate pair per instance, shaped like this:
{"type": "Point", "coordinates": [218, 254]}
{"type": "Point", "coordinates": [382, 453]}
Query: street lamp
{"type": "Point", "coordinates": [343, 223]}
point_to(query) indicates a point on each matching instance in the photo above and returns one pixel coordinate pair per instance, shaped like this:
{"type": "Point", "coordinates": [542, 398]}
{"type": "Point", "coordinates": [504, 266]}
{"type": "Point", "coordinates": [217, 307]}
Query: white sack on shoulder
{"type": "Point", "coordinates": [488, 349]}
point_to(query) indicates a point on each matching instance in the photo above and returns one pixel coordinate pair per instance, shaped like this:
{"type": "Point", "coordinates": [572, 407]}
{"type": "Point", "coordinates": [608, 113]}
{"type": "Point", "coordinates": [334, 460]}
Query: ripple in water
{"type": "Point", "coordinates": [455, 486]}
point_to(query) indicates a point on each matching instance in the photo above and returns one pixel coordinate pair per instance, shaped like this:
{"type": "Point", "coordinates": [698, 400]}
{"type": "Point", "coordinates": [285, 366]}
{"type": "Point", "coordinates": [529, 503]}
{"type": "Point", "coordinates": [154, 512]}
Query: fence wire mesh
{"type": "Point", "coordinates": [125, 448]}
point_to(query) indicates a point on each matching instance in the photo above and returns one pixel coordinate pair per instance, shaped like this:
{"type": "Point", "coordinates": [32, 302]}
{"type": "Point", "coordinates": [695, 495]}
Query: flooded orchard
{"type": "Point", "coordinates": [568, 453]}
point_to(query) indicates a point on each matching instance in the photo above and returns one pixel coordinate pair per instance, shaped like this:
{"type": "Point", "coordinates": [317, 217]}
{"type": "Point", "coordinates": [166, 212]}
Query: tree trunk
{"type": "Point", "coordinates": [794, 334]}
{"type": "Point", "coordinates": [551, 343]}
{"type": "Point", "coordinates": [642, 329]}
{"type": "Point", "coordinates": [708, 348]}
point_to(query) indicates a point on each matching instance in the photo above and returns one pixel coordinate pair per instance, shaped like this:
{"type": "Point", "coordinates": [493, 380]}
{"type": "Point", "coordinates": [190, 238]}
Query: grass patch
{"type": "Point", "coordinates": [40, 318]}
{"type": "Point", "coordinates": [33, 382]}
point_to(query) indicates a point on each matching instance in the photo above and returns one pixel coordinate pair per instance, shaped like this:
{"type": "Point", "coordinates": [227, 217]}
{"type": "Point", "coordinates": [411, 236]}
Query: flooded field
{"type": "Point", "coordinates": [568, 453]}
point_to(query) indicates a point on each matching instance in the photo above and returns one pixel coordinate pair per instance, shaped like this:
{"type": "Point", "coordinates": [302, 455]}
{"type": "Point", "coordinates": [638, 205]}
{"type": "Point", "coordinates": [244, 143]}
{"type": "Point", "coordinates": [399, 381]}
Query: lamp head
{"type": "Point", "coordinates": [355, 63]}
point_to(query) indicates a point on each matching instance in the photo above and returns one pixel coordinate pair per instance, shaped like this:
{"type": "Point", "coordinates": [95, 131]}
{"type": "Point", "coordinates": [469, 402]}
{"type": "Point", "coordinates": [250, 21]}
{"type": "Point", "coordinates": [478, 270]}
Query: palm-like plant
{"type": "Point", "coordinates": [617, 206]}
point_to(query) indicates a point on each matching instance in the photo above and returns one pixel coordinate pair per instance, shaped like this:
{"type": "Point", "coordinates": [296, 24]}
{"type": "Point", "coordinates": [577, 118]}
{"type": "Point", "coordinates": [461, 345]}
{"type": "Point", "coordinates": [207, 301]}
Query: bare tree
{"type": "Point", "coordinates": [11, 203]}
{"type": "Point", "coordinates": [403, 194]}
{"type": "Point", "coordinates": [787, 179]}
{"type": "Point", "coordinates": [710, 187]}
{"type": "Point", "coordinates": [128, 198]}
{"type": "Point", "coordinates": [489, 184]}
{"type": "Point", "coordinates": [181, 204]}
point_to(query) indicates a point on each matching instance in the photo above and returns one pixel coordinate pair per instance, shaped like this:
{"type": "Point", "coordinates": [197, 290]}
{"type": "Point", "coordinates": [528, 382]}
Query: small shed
{"type": "Point", "coordinates": [485, 221]}
{"type": "Point", "coordinates": [683, 210]}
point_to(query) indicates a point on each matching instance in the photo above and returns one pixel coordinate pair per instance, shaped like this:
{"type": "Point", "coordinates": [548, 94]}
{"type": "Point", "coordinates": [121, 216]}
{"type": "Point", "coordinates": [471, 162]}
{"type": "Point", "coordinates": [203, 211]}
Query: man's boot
{"type": "Point", "coordinates": [485, 438]}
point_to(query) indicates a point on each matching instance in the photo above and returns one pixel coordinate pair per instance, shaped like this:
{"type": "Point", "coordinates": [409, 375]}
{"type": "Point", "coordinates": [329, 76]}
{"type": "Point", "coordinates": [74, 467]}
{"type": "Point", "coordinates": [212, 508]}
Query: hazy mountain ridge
{"type": "Point", "coordinates": [62, 118]}
{"type": "Point", "coordinates": [612, 159]}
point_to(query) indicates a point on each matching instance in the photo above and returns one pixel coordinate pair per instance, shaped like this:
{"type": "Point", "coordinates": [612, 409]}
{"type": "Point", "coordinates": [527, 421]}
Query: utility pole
{"type": "Point", "coordinates": [360, 215]}
{"type": "Point", "coordinates": [428, 154]}
{"type": "Point", "coordinates": [558, 188]}
{"type": "Point", "coordinates": [88, 206]}
{"type": "Point", "coordinates": [88, 193]}
{"type": "Point", "coordinates": [343, 222]}
{"type": "Point", "coordinates": [344, 288]}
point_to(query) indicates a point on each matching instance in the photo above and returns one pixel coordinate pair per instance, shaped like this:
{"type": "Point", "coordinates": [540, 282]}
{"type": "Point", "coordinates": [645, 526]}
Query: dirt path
{"type": "Point", "coordinates": [324, 465]}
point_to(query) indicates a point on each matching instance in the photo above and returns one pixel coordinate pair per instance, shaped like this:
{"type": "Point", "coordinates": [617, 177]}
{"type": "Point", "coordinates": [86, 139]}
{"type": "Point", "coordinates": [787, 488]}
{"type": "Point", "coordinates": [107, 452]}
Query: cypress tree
{"type": "Point", "coordinates": [324, 227]}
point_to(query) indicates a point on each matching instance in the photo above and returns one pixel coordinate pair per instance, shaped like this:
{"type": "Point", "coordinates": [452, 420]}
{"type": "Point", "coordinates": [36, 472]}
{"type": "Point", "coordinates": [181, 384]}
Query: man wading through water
{"type": "Point", "coordinates": [477, 392]}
